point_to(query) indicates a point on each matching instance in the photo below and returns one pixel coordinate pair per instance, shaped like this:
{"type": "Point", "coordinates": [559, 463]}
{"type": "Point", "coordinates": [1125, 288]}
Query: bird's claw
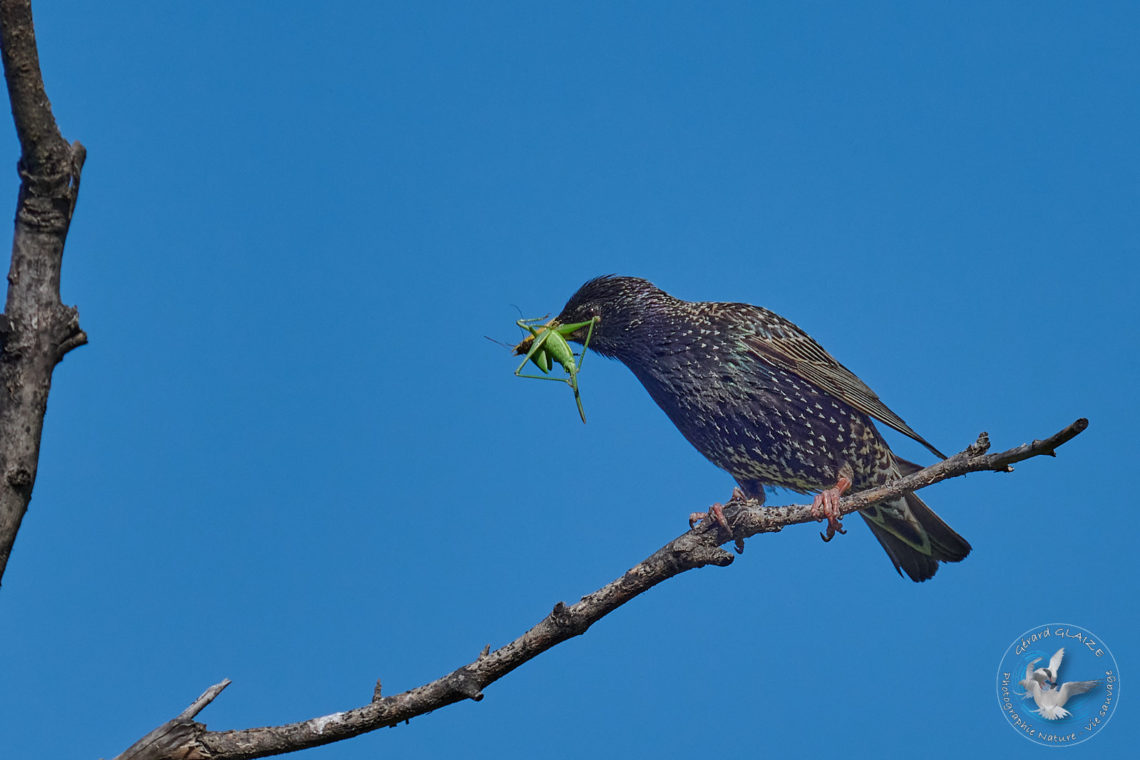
{"type": "Point", "coordinates": [826, 504]}
{"type": "Point", "coordinates": [716, 514]}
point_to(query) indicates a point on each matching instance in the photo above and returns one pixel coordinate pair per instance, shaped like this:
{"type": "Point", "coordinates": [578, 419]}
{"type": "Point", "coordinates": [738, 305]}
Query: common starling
{"type": "Point", "coordinates": [762, 400]}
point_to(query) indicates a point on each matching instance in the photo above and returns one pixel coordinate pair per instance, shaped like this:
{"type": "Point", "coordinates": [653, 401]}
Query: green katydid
{"type": "Point", "coordinates": [546, 345]}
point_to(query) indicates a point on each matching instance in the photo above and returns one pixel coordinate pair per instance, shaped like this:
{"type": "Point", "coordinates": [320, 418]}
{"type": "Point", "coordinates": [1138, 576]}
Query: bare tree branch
{"type": "Point", "coordinates": [749, 522]}
{"type": "Point", "coordinates": [36, 329]}
{"type": "Point", "coordinates": [692, 549]}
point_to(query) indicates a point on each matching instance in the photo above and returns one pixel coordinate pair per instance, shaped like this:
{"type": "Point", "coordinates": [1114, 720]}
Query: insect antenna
{"type": "Point", "coordinates": [501, 343]}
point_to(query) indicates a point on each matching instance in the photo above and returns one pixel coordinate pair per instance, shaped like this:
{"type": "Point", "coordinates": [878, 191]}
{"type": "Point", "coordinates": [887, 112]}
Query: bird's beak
{"type": "Point", "coordinates": [579, 335]}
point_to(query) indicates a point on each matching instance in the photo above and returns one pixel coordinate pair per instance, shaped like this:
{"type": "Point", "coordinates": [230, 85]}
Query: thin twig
{"type": "Point", "coordinates": [747, 520]}
{"type": "Point", "coordinates": [199, 704]}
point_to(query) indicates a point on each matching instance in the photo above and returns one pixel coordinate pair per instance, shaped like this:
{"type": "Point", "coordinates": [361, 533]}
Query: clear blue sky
{"type": "Point", "coordinates": [289, 457]}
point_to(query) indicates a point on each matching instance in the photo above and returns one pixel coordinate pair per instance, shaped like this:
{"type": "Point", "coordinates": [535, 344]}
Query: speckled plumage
{"type": "Point", "coordinates": [762, 400]}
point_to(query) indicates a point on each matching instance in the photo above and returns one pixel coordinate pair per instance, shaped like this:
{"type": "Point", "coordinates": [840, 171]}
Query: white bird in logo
{"type": "Point", "coordinates": [1041, 675]}
{"type": "Point", "coordinates": [1051, 700]}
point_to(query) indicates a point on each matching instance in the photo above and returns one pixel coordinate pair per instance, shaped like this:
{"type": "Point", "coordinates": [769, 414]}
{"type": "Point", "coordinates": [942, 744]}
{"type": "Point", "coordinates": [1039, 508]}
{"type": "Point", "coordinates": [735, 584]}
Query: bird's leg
{"type": "Point", "coordinates": [826, 503]}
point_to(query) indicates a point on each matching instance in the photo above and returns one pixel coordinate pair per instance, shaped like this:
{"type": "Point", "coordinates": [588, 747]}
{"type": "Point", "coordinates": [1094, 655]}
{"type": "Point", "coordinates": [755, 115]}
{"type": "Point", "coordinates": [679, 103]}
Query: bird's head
{"type": "Point", "coordinates": [618, 306]}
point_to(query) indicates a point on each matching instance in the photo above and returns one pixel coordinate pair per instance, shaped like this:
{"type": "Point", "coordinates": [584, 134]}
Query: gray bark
{"type": "Point", "coordinates": [36, 329]}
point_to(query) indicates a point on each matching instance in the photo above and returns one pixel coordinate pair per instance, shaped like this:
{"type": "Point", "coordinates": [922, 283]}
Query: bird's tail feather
{"type": "Point", "coordinates": [914, 537]}
{"type": "Point", "coordinates": [1052, 712]}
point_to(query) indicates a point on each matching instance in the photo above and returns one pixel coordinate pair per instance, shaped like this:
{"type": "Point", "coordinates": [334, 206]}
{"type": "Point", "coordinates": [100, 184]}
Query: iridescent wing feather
{"type": "Point", "coordinates": [782, 344]}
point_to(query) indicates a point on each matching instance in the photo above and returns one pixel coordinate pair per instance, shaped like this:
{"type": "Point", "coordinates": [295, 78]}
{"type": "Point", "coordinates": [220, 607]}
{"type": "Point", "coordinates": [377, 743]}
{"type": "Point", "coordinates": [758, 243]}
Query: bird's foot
{"type": "Point", "coordinates": [826, 504]}
{"type": "Point", "coordinates": [716, 514]}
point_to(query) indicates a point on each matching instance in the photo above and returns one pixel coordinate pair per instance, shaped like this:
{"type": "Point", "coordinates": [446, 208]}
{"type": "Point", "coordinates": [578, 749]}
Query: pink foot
{"type": "Point", "coordinates": [716, 514]}
{"type": "Point", "coordinates": [826, 504]}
